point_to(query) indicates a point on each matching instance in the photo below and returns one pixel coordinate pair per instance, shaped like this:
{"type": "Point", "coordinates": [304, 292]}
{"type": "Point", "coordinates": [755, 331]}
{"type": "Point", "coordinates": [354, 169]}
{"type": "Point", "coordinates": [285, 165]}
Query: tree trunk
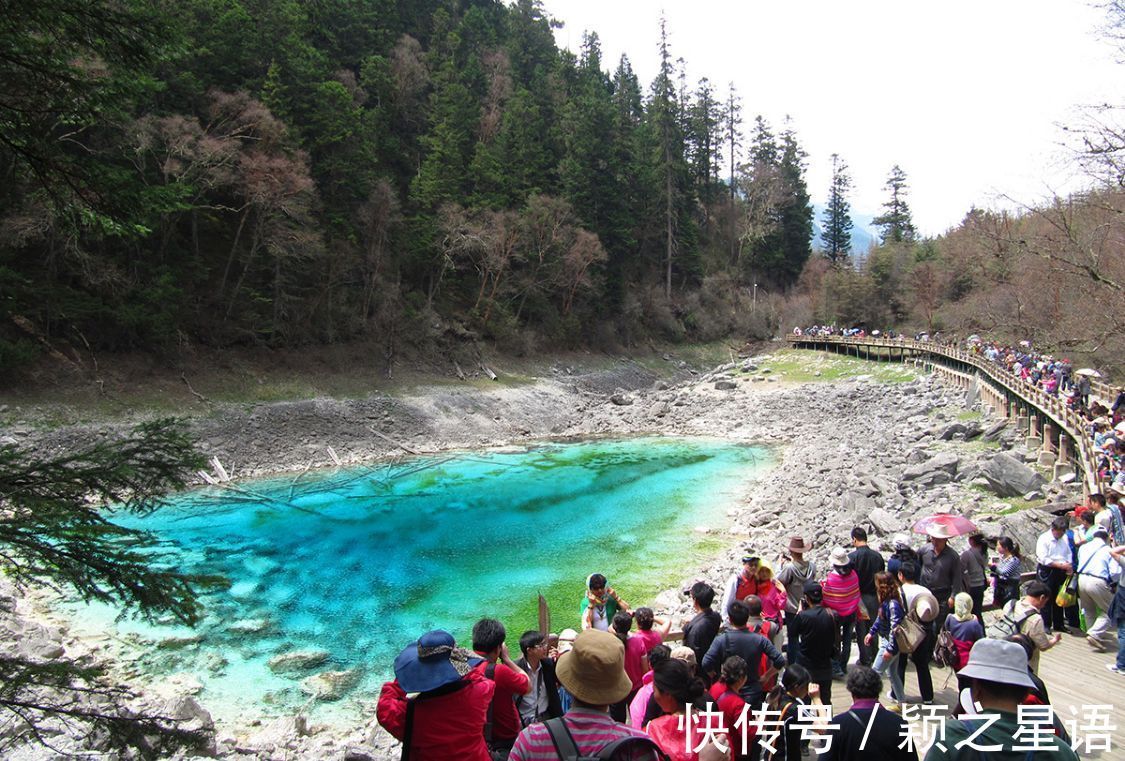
{"type": "Point", "coordinates": [668, 232]}
{"type": "Point", "coordinates": [233, 252]}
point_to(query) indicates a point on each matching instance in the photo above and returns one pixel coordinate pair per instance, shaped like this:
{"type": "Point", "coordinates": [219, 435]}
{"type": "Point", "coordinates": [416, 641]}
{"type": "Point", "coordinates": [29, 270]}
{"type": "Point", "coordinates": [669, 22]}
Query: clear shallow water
{"type": "Point", "coordinates": [360, 561]}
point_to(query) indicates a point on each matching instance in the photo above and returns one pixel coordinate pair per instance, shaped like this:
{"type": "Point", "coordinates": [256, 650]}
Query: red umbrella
{"type": "Point", "coordinates": [944, 525]}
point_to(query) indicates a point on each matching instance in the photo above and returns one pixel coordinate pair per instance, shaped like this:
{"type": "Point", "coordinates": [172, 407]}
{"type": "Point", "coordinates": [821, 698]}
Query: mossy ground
{"type": "Point", "coordinates": [808, 366]}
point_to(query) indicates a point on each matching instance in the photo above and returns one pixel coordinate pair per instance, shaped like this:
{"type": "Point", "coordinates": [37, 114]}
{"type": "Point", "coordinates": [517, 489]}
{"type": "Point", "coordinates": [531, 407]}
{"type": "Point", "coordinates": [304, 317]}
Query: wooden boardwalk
{"type": "Point", "coordinates": [1075, 676]}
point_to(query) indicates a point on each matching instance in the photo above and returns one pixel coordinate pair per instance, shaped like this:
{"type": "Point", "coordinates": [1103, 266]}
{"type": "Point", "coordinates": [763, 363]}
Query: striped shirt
{"type": "Point", "coordinates": [1008, 569]}
{"type": "Point", "coordinates": [592, 730]}
{"type": "Point", "coordinates": [841, 593]}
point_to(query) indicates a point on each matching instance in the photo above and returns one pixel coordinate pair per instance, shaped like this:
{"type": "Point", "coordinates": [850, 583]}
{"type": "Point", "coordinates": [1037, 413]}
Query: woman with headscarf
{"type": "Point", "coordinates": [965, 629]}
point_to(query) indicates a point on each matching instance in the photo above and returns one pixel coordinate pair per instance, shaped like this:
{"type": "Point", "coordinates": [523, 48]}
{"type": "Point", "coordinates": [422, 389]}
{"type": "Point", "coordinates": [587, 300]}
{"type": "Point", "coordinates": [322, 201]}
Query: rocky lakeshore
{"type": "Point", "coordinates": [857, 450]}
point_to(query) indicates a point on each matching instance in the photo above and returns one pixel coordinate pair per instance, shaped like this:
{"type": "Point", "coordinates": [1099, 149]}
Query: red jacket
{"type": "Point", "coordinates": [444, 727]}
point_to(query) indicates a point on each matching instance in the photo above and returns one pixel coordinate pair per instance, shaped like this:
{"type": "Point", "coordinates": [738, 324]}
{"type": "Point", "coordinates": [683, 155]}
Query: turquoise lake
{"type": "Point", "coordinates": [359, 561]}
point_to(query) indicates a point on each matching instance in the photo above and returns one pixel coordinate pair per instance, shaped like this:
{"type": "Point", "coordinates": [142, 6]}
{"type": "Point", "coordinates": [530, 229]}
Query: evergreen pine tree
{"type": "Point", "coordinates": [56, 531]}
{"type": "Point", "coordinates": [895, 222]}
{"type": "Point", "coordinates": [836, 235]}
{"type": "Point", "coordinates": [796, 211]}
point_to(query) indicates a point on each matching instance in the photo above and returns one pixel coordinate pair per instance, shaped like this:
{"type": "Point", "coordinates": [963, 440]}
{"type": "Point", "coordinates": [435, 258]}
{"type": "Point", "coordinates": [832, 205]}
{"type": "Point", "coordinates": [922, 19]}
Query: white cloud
{"type": "Point", "coordinates": [965, 96]}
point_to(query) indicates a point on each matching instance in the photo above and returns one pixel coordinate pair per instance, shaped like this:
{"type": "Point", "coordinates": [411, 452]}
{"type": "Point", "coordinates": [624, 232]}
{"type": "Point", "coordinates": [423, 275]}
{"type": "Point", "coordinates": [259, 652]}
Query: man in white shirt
{"type": "Point", "coordinates": [1097, 571]}
{"type": "Point", "coordinates": [1055, 559]}
{"type": "Point", "coordinates": [542, 701]}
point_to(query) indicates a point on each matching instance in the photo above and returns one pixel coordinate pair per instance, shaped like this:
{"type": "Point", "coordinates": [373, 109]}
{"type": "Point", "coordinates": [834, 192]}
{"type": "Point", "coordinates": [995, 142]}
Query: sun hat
{"type": "Point", "coordinates": [1120, 427]}
{"type": "Point", "coordinates": [566, 640]}
{"type": "Point", "coordinates": [798, 544]}
{"type": "Point", "coordinates": [938, 531]}
{"type": "Point", "coordinates": [995, 660]}
{"type": "Point", "coordinates": [594, 670]}
{"type": "Point", "coordinates": [433, 661]}
{"type": "Point", "coordinates": [839, 557]}
{"type": "Point", "coordinates": [684, 653]}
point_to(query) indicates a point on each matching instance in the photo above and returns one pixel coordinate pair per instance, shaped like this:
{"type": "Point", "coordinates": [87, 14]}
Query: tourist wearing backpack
{"type": "Point", "coordinates": [1025, 617]}
{"type": "Point", "coordinates": [593, 672]}
{"type": "Point", "coordinates": [1000, 682]}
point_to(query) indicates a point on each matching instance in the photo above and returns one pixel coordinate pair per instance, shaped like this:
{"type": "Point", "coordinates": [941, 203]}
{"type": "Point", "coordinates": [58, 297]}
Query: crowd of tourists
{"type": "Point", "coordinates": [820, 331]}
{"type": "Point", "coordinates": [753, 678]}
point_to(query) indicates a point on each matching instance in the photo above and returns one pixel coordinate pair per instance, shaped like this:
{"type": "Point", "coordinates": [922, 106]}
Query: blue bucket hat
{"type": "Point", "coordinates": [431, 662]}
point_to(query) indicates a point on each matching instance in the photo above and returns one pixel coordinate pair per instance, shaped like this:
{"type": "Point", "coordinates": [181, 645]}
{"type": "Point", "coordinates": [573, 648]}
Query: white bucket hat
{"type": "Point", "coordinates": [995, 660]}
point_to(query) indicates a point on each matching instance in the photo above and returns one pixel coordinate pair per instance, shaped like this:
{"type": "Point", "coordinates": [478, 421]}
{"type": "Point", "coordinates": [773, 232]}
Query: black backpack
{"type": "Point", "coordinates": [568, 749]}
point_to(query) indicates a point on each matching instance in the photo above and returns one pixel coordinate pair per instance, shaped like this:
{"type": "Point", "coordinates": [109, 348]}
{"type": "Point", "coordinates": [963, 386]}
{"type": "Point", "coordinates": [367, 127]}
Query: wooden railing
{"type": "Point", "coordinates": [1053, 407]}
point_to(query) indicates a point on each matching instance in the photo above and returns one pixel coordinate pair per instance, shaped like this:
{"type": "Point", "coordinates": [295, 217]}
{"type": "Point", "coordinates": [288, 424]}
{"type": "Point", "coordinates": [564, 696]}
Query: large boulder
{"type": "Point", "coordinates": [1008, 477]}
{"type": "Point", "coordinates": [883, 522]}
{"type": "Point", "coordinates": [330, 685]}
{"type": "Point", "coordinates": [936, 470]}
{"type": "Point", "coordinates": [298, 660]}
{"type": "Point", "coordinates": [992, 433]}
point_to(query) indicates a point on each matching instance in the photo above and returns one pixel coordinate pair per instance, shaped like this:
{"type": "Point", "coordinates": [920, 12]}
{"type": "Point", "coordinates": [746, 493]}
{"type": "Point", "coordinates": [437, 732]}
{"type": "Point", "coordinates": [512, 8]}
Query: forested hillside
{"type": "Point", "coordinates": [277, 172]}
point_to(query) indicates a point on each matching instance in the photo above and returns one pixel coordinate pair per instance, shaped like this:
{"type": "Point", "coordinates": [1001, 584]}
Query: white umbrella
{"type": "Point", "coordinates": [1088, 371]}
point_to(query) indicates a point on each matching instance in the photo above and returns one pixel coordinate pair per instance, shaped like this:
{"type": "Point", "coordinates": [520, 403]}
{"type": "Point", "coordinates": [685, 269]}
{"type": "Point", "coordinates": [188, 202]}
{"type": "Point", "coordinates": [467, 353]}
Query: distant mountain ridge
{"type": "Point", "coordinates": [864, 235]}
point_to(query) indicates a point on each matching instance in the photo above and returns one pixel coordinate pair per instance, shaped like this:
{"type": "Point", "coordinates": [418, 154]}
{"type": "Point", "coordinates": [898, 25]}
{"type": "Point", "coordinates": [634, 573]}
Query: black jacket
{"type": "Point", "coordinates": [550, 683]}
{"type": "Point", "coordinates": [701, 631]}
{"type": "Point", "coordinates": [882, 742]}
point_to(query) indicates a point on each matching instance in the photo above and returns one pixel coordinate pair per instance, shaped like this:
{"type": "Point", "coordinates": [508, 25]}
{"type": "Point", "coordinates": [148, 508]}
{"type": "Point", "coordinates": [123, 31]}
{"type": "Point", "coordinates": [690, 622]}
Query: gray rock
{"type": "Point", "coordinates": [725, 385]}
{"type": "Point", "coordinates": [992, 433]}
{"type": "Point", "coordinates": [1008, 477]}
{"type": "Point", "coordinates": [883, 522]}
{"type": "Point", "coordinates": [330, 685]}
{"type": "Point", "coordinates": [357, 754]}
{"type": "Point", "coordinates": [280, 732]}
{"type": "Point", "coordinates": [298, 660]}
{"type": "Point", "coordinates": [621, 400]}
{"type": "Point", "coordinates": [1033, 495]}
{"type": "Point", "coordinates": [952, 430]}
{"type": "Point", "coordinates": [945, 463]}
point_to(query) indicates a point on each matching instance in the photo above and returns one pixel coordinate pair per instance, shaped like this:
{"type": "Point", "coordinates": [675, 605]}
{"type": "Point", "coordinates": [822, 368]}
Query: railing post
{"type": "Point", "coordinates": [1047, 452]}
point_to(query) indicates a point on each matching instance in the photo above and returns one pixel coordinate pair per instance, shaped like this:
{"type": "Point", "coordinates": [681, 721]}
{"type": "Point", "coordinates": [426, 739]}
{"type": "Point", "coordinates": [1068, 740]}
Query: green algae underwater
{"type": "Point", "coordinates": [358, 562]}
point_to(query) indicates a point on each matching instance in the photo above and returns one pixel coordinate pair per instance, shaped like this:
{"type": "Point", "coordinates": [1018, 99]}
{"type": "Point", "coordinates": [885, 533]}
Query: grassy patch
{"type": "Point", "coordinates": [967, 415]}
{"type": "Point", "coordinates": [807, 366]}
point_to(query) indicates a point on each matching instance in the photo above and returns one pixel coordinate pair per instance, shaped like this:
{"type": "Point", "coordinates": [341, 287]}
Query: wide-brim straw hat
{"type": "Point", "coordinates": [995, 660]}
{"type": "Point", "coordinates": [594, 670]}
{"type": "Point", "coordinates": [433, 661]}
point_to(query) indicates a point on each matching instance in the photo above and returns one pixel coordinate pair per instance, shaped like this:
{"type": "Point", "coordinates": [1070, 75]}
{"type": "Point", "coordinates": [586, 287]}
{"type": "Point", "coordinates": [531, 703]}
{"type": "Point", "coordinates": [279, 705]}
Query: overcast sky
{"type": "Point", "coordinates": [967, 97]}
